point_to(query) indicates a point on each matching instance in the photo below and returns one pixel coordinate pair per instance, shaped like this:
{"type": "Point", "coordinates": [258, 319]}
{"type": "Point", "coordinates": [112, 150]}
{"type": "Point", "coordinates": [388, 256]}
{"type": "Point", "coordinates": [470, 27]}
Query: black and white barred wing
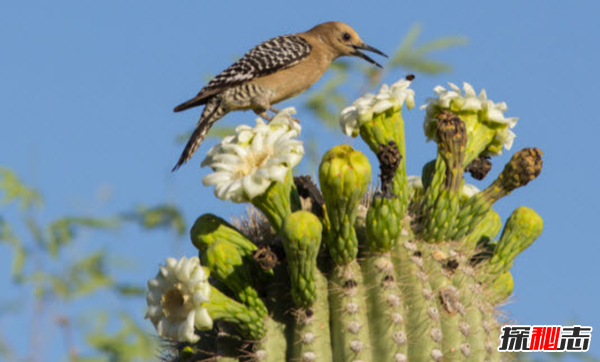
{"type": "Point", "coordinates": [267, 57]}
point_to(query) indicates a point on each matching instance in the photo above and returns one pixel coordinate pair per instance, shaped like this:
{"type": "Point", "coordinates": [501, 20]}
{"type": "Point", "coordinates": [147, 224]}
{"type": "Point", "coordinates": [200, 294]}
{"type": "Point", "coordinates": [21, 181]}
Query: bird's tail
{"type": "Point", "coordinates": [211, 113]}
{"type": "Point", "coordinates": [194, 102]}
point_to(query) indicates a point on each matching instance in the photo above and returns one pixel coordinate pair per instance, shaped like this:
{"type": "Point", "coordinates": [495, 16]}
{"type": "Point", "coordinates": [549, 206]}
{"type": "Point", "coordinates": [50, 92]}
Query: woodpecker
{"type": "Point", "coordinates": [271, 72]}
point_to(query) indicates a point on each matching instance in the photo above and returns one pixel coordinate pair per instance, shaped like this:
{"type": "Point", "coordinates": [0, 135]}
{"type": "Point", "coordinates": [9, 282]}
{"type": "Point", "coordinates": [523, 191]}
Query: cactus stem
{"type": "Point", "coordinates": [349, 319]}
{"type": "Point", "coordinates": [278, 201]}
{"type": "Point", "coordinates": [422, 318]}
{"type": "Point", "coordinates": [385, 308]}
{"type": "Point", "coordinates": [312, 334]}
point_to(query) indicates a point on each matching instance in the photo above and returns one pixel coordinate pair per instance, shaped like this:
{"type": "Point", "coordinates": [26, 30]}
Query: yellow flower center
{"type": "Point", "coordinates": [174, 302]}
{"type": "Point", "coordinates": [253, 161]}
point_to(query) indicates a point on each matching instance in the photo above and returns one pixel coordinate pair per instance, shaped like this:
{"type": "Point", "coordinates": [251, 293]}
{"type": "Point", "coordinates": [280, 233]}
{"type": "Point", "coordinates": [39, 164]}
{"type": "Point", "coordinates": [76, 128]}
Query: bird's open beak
{"type": "Point", "coordinates": [358, 53]}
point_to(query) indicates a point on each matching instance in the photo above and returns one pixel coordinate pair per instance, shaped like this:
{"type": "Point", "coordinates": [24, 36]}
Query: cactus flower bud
{"type": "Point", "coordinates": [344, 175]}
{"type": "Point", "coordinates": [301, 233]}
{"type": "Point", "coordinates": [522, 168]}
{"type": "Point", "coordinates": [521, 229]}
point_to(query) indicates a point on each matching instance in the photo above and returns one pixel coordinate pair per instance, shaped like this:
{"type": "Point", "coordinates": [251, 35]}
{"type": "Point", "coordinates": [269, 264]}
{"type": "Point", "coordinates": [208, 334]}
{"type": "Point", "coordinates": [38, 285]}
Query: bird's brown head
{"type": "Point", "coordinates": [343, 40]}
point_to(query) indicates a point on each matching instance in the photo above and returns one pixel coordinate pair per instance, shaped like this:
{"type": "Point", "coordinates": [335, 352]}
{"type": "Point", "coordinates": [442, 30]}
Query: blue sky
{"type": "Point", "coordinates": [87, 91]}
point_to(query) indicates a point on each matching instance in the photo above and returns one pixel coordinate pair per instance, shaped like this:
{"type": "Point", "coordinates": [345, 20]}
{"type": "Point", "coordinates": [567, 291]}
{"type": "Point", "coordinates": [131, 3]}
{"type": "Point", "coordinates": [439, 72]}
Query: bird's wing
{"type": "Point", "coordinates": [267, 57]}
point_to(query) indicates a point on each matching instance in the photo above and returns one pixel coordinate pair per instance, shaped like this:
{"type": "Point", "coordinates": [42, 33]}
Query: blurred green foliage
{"type": "Point", "coordinates": [45, 270]}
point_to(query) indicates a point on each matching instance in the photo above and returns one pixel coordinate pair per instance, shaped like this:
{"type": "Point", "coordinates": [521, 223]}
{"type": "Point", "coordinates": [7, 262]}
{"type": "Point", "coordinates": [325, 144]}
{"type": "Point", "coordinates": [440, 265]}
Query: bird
{"type": "Point", "coordinates": [271, 72]}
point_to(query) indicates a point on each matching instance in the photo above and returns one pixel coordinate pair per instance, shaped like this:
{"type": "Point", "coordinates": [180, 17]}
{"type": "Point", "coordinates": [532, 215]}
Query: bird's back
{"type": "Point", "coordinates": [264, 59]}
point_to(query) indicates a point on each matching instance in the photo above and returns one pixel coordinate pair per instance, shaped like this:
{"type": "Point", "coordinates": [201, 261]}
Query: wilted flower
{"type": "Point", "coordinates": [247, 163]}
{"type": "Point", "coordinates": [363, 109]}
{"type": "Point", "coordinates": [175, 299]}
{"type": "Point", "coordinates": [464, 105]}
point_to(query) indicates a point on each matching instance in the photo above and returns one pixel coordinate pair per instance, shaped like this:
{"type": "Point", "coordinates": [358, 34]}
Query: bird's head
{"type": "Point", "coordinates": [343, 40]}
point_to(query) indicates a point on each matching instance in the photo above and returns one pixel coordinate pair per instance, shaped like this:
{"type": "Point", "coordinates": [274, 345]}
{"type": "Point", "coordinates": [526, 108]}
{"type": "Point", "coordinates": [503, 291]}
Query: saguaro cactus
{"type": "Point", "coordinates": [408, 272]}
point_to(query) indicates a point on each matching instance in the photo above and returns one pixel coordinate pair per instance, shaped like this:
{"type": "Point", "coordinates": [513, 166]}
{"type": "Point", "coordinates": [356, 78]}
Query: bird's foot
{"type": "Point", "coordinates": [264, 115]}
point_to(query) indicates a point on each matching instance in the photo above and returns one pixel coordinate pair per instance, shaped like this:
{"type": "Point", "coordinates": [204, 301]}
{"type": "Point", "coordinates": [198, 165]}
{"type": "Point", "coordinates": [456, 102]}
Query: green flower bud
{"type": "Point", "coordinates": [231, 266]}
{"type": "Point", "coordinates": [485, 232]}
{"type": "Point", "coordinates": [383, 223]}
{"type": "Point", "coordinates": [301, 233]}
{"type": "Point", "coordinates": [344, 175]}
{"type": "Point", "coordinates": [247, 321]}
{"type": "Point", "coordinates": [522, 168]}
{"type": "Point", "coordinates": [209, 228]}
{"type": "Point", "coordinates": [522, 228]}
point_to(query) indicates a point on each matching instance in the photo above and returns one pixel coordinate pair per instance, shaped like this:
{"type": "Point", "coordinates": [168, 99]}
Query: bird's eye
{"type": "Point", "coordinates": [346, 36]}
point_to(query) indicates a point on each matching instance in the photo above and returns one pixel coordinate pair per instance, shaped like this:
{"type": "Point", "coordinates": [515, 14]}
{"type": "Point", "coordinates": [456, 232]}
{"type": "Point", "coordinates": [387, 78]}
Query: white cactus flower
{"type": "Point", "coordinates": [469, 190]}
{"type": "Point", "coordinates": [468, 102]}
{"type": "Point", "coordinates": [364, 107]}
{"type": "Point", "coordinates": [414, 182]}
{"type": "Point", "coordinates": [247, 163]}
{"type": "Point", "coordinates": [176, 297]}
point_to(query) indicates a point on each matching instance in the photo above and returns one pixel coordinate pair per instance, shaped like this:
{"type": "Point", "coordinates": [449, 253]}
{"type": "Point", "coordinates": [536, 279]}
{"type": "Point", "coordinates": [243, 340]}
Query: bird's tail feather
{"type": "Point", "coordinates": [212, 113]}
{"type": "Point", "coordinates": [194, 102]}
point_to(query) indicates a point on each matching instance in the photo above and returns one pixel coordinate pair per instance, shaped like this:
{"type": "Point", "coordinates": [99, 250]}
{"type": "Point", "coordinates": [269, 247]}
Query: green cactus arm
{"type": "Point", "coordinates": [301, 233]}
